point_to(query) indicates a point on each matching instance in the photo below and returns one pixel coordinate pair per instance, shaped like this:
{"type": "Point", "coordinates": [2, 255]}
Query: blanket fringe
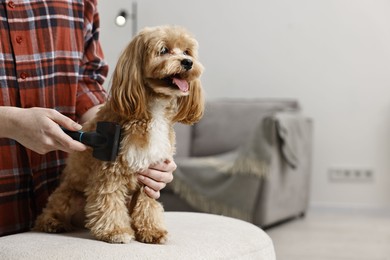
{"type": "Point", "coordinates": [206, 204]}
{"type": "Point", "coordinates": [243, 165]}
{"type": "Point", "coordinates": [249, 166]}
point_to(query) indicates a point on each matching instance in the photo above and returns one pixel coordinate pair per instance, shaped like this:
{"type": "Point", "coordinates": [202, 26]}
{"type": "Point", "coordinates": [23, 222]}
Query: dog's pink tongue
{"type": "Point", "coordinates": [181, 83]}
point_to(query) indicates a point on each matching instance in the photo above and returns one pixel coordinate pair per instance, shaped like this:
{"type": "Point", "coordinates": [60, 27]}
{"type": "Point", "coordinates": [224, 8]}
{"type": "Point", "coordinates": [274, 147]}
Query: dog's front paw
{"type": "Point", "coordinates": [50, 224]}
{"type": "Point", "coordinates": [152, 236]}
{"type": "Point", "coordinates": [116, 237]}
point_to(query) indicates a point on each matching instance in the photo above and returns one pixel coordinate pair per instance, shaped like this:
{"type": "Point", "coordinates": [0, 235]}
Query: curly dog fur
{"type": "Point", "coordinates": [156, 83]}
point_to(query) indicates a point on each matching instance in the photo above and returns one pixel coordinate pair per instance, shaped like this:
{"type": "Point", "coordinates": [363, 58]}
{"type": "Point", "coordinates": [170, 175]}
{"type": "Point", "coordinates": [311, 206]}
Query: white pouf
{"type": "Point", "coordinates": [191, 236]}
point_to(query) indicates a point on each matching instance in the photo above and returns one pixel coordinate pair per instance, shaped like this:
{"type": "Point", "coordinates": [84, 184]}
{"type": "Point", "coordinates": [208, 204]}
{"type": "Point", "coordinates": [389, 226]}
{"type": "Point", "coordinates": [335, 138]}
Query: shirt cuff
{"type": "Point", "coordinates": [89, 99]}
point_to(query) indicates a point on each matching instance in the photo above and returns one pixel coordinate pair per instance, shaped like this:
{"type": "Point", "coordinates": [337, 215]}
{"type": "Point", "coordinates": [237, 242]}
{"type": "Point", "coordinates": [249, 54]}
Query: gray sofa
{"type": "Point", "coordinates": [248, 159]}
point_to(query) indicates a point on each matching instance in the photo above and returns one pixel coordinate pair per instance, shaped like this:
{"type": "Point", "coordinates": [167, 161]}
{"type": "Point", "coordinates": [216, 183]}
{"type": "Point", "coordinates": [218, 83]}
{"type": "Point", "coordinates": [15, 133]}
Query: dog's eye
{"type": "Point", "coordinates": [187, 53]}
{"type": "Point", "coordinates": [164, 50]}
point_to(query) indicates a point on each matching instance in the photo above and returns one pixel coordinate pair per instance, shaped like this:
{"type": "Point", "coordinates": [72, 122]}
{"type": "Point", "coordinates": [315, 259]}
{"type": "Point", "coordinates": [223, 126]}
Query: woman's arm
{"type": "Point", "coordinates": [39, 129]}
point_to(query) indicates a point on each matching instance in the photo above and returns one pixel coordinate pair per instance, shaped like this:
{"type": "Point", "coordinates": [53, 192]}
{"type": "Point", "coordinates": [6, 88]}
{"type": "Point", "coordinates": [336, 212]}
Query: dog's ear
{"type": "Point", "coordinates": [128, 95]}
{"type": "Point", "coordinates": [191, 107]}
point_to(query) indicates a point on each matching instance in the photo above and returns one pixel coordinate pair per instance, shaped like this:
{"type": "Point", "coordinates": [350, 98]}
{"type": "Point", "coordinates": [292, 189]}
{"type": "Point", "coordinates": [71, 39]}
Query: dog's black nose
{"type": "Point", "coordinates": [187, 64]}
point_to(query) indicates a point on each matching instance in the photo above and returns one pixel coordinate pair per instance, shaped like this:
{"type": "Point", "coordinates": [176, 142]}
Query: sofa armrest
{"type": "Point", "coordinates": [285, 191]}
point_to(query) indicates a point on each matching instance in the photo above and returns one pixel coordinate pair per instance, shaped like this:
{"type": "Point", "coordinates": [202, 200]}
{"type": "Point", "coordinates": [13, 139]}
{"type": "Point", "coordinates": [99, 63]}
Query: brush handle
{"type": "Point", "coordinates": [92, 139]}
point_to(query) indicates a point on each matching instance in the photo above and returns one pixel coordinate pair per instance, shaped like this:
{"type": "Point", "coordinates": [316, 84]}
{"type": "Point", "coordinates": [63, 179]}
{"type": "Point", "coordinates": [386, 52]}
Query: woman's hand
{"type": "Point", "coordinates": [156, 177]}
{"type": "Point", "coordinates": [39, 129]}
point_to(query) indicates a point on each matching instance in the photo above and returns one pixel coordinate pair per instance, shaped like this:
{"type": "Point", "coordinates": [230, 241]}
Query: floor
{"type": "Point", "coordinates": [333, 235]}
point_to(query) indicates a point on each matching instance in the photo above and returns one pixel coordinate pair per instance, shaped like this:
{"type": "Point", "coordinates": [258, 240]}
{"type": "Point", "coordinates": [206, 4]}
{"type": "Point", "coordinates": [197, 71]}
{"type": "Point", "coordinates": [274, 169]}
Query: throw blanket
{"type": "Point", "coordinates": [227, 184]}
{"type": "Point", "coordinates": [292, 132]}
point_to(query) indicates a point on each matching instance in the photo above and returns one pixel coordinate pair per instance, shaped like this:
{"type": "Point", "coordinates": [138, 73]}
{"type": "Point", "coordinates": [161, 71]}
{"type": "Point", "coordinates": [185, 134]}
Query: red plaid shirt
{"type": "Point", "coordinates": [50, 57]}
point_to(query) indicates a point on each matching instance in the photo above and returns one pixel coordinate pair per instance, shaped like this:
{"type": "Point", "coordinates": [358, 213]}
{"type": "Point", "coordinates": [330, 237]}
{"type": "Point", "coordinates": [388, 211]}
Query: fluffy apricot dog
{"type": "Point", "coordinates": [156, 83]}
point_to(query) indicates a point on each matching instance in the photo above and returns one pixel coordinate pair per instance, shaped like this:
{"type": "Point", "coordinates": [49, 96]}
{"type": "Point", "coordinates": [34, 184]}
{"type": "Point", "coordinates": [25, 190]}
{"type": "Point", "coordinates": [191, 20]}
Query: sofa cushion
{"type": "Point", "coordinates": [221, 128]}
{"type": "Point", "coordinates": [183, 140]}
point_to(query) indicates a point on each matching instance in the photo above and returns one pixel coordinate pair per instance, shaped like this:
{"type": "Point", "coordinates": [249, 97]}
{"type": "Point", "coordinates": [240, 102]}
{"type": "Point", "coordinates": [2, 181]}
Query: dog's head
{"type": "Point", "coordinates": [159, 61]}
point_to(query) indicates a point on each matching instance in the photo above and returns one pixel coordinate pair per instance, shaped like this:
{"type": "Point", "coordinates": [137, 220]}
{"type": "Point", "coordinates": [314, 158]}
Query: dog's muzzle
{"type": "Point", "coordinates": [186, 64]}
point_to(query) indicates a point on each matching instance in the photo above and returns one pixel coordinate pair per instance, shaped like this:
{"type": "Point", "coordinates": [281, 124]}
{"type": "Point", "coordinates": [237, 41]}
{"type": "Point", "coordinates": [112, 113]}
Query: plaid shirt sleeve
{"type": "Point", "coordinates": [50, 57]}
{"type": "Point", "coordinates": [93, 70]}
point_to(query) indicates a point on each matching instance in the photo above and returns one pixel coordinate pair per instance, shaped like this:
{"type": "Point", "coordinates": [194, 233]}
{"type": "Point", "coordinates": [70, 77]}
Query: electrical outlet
{"type": "Point", "coordinates": [344, 174]}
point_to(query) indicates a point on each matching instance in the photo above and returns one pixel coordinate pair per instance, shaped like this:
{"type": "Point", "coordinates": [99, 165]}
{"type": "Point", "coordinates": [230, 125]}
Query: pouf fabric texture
{"type": "Point", "coordinates": [191, 236]}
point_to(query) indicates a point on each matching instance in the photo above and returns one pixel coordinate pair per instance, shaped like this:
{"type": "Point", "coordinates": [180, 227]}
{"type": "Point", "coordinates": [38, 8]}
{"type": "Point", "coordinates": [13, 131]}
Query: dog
{"type": "Point", "coordinates": [156, 83]}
